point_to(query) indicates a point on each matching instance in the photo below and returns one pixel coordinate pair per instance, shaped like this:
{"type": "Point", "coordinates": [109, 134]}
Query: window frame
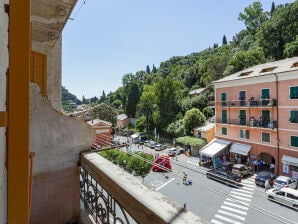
{"type": "Point", "coordinates": [295, 89]}
{"type": "Point", "coordinates": [296, 141]}
{"type": "Point", "coordinates": [262, 139]}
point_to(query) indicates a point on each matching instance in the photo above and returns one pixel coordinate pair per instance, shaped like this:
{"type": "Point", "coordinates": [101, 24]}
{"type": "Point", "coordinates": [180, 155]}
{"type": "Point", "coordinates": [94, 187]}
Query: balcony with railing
{"type": "Point", "coordinates": [111, 195]}
{"type": "Point", "coordinates": [247, 103]}
{"type": "Point", "coordinates": [250, 123]}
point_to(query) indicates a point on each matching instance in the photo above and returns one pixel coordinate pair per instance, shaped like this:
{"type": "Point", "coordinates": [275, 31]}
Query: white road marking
{"type": "Point", "coordinates": [227, 219]}
{"type": "Point", "coordinates": [233, 210]}
{"type": "Point", "coordinates": [233, 200]}
{"type": "Point", "coordinates": [231, 215]}
{"type": "Point", "coordinates": [241, 194]}
{"type": "Point", "coordinates": [216, 222]}
{"type": "Point", "coordinates": [243, 191]}
{"type": "Point", "coordinates": [160, 187]}
{"type": "Point", "coordinates": [241, 198]}
{"type": "Point", "coordinates": [236, 205]}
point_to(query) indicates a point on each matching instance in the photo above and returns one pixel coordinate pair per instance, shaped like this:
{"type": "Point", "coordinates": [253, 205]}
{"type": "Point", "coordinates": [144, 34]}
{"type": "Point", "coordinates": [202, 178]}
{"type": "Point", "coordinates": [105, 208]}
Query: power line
{"type": "Point", "coordinates": [83, 3]}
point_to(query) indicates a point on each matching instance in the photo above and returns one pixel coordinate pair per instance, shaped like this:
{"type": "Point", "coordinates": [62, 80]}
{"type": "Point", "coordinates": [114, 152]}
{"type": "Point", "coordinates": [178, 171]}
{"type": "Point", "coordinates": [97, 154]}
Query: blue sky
{"type": "Point", "coordinates": [108, 39]}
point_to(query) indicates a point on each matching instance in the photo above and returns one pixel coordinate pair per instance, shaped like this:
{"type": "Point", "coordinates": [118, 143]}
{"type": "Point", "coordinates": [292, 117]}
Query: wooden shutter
{"type": "Point", "coordinates": [38, 70]}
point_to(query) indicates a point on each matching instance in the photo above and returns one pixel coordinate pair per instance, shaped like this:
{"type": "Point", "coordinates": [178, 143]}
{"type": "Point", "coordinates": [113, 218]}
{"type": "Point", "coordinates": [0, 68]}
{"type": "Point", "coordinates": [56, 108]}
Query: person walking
{"type": "Point", "coordinates": [184, 178]}
{"type": "Point", "coordinates": [255, 163]}
{"type": "Point", "coordinates": [267, 185]}
{"type": "Point", "coordinates": [272, 167]}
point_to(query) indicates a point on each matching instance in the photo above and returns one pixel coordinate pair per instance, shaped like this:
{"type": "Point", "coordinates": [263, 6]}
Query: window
{"type": "Point", "coordinates": [38, 70]}
{"type": "Point", "coordinates": [294, 141]}
{"type": "Point", "coordinates": [224, 131]}
{"type": "Point", "coordinates": [293, 92]}
{"type": "Point", "coordinates": [242, 97]}
{"type": "Point", "coordinates": [293, 116]}
{"type": "Point", "coordinates": [244, 134]}
{"type": "Point", "coordinates": [245, 73]}
{"type": "Point", "coordinates": [265, 137]}
{"type": "Point", "coordinates": [224, 117]}
{"type": "Point", "coordinates": [268, 69]}
{"type": "Point", "coordinates": [265, 95]}
{"type": "Point", "coordinates": [242, 117]}
{"type": "Point", "coordinates": [223, 99]}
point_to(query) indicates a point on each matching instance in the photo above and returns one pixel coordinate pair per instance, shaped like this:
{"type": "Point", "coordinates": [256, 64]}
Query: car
{"type": "Point", "coordinates": [224, 176]}
{"type": "Point", "coordinates": [152, 144]}
{"type": "Point", "coordinates": [242, 169]}
{"type": "Point", "coordinates": [284, 181]}
{"type": "Point", "coordinates": [263, 176]}
{"type": "Point", "coordinates": [285, 196]}
{"type": "Point", "coordinates": [162, 164]}
{"type": "Point", "coordinates": [173, 152]}
{"type": "Point", "coordinates": [227, 165]}
{"type": "Point", "coordinates": [159, 147]}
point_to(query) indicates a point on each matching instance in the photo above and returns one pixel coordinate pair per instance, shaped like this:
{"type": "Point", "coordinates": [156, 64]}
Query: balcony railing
{"type": "Point", "coordinates": [110, 195]}
{"type": "Point", "coordinates": [248, 103]}
{"type": "Point", "coordinates": [250, 123]}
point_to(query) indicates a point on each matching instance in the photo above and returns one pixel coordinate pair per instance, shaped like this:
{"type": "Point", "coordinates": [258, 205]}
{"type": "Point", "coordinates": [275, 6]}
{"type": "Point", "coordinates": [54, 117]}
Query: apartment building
{"type": "Point", "coordinates": [257, 115]}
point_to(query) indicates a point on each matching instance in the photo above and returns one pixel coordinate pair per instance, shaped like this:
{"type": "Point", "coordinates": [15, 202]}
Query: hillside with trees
{"type": "Point", "coordinates": [158, 97]}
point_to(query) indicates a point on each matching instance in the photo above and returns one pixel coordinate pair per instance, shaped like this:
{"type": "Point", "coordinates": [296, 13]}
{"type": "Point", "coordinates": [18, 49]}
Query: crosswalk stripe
{"type": "Point", "coordinates": [241, 194]}
{"type": "Point", "coordinates": [233, 200]}
{"type": "Point", "coordinates": [227, 219]}
{"type": "Point", "coordinates": [232, 215]}
{"type": "Point", "coordinates": [248, 185]}
{"type": "Point", "coordinates": [233, 210]}
{"type": "Point", "coordinates": [249, 188]}
{"type": "Point", "coordinates": [241, 198]}
{"type": "Point", "coordinates": [214, 221]}
{"type": "Point", "coordinates": [244, 191]}
{"type": "Point", "coordinates": [235, 205]}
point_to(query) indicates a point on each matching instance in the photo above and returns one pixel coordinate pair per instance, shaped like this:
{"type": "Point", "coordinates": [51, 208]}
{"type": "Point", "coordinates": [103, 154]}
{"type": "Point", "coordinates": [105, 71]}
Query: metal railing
{"type": "Point", "coordinates": [111, 195]}
{"type": "Point", "coordinates": [247, 103]}
{"type": "Point", "coordinates": [250, 123]}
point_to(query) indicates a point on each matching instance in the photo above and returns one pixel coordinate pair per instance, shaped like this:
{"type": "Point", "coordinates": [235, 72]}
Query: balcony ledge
{"type": "Point", "coordinates": [145, 205]}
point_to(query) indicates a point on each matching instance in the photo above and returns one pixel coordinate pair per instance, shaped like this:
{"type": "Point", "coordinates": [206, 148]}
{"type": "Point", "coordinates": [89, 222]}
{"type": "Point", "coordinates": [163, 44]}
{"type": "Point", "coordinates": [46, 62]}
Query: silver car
{"type": "Point", "coordinates": [284, 181]}
{"type": "Point", "coordinates": [285, 196]}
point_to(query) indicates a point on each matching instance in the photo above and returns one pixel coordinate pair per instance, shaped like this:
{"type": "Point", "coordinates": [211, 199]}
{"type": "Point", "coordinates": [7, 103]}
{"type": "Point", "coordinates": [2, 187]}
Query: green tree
{"type": "Point", "coordinates": [208, 112]}
{"type": "Point", "coordinates": [153, 69]}
{"type": "Point", "coordinates": [132, 100]}
{"type": "Point", "coordinates": [105, 112]}
{"type": "Point", "coordinates": [253, 17]}
{"type": "Point", "coordinates": [282, 28]}
{"type": "Point", "coordinates": [176, 129]}
{"type": "Point", "coordinates": [148, 69]}
{"type": "Point", "coordinates": [291, 49]}
{"type": "Point", "coordinates": [192, 119]}
{"type": "Point", "coordinates": [224, 40]}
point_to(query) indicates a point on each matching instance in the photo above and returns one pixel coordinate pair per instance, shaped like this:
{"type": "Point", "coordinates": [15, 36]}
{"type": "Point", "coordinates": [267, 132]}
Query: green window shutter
{"type": "Point", "coordinates": [266, 115]}
{"type": "Point", "coordinates": [296, 116]}
{"type": "Point", "coordinates": [294, 92]}
{"type": "Point", "coordinates": [224, 118]}
{"type": "Point", "coordinates": [223, 96]}
{"type": "Point", "coordinates": [224, 131]}
{"type": "Point", "coordinates": [294, 141]}
{"type": "Point", "coordinates": [265, 94]}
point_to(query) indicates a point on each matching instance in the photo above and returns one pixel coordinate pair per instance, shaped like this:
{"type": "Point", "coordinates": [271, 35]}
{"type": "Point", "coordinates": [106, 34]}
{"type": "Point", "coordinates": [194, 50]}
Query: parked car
{"type": "Point", "coordinates": [284, 181]}
{"type": "Point", "coordinates": [284, 196]}
{"type": "Point", "coordinates": [242, 169]}
{"type": "Point", "coordinates": [263, 176]}
{"type": "Point", "coordinates": [152, 144]}
{"type": "Point", "coordinates": [159, 147]}
{"type": "Point", "coordinates": [224, 176]}
{"type": "Point", "coordinates": [173, 152]}
{"type": "Point", "coordinates": [162, 164]}
{"type": "Point", "coordinates": [227, 165]}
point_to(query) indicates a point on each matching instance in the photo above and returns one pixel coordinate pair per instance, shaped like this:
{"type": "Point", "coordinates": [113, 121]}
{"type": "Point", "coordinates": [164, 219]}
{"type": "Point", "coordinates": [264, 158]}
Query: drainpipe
{"type": "Point", "coordinates": [277, 132]}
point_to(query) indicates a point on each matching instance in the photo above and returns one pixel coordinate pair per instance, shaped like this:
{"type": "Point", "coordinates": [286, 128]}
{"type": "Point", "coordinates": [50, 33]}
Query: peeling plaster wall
{"type": "Point", "coordinates": [57, 141]}
{"type": "Point", "coordinates": [3, 88]}
{"type": "Point", "coordinates": [54, 70]}
{"type": "Point", "coordinates": [55, 138]}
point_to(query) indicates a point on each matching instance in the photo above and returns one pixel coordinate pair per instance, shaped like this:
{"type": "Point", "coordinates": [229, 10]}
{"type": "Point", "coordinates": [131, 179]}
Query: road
{"type": "Point", "coordinates": [214, 201]}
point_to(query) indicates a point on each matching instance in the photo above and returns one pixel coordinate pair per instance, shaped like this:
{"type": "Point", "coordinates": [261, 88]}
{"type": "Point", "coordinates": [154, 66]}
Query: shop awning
{"type": "Point", "coordinates": [289, 160]}
{"type": "Point", "coordinates": [240, 148]}
{"type": "Point", "coordinates": [214, 147]}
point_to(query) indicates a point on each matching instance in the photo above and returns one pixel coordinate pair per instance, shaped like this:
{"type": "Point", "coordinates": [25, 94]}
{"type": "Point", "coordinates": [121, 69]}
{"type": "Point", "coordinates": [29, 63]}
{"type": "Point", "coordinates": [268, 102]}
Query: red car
{"type": "Point", "coordinates": [162, 164]}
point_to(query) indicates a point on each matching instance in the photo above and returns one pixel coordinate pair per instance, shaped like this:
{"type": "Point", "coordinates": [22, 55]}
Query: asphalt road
{"type": "Point", "coordinates": [212, 200]}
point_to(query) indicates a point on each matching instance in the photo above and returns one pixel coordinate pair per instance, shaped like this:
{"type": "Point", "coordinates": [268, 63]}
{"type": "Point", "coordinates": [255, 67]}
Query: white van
{"type": "Point", "coordinates": [173, 152]}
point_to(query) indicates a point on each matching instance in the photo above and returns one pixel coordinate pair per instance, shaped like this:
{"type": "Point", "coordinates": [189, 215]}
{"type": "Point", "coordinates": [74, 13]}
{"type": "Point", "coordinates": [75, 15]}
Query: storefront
{"type": "Point", "coordinates": [239, 152]}
{"type": "Point", "coordinates": [290, 166]}
{"type": "Point", "coordinates": [214, 153]}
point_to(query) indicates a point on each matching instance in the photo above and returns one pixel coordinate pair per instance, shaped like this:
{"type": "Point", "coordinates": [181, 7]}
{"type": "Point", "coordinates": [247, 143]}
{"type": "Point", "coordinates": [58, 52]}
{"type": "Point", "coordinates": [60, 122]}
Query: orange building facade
{"type": "Point", "coordinates": [258, 107]}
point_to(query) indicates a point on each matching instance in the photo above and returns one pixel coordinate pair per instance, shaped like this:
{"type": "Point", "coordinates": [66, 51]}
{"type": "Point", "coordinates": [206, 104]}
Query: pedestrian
{"type": "Point", "coordinates": [255, 163]}
{"type": "Point", "coordinates": [272, 167]}
{"type": "Point", "coordinates": [261, 164]}
{"type": "Point", "coordinates": [184, 178]}
{"type": "Point", "coordinates": [267, 185]}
